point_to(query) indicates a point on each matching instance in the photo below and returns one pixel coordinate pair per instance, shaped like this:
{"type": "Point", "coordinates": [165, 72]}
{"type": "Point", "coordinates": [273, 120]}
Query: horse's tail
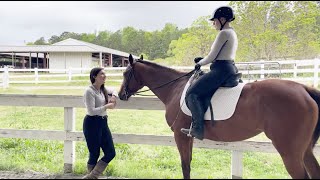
{"type": "Point", "coordinates": [315, 94]}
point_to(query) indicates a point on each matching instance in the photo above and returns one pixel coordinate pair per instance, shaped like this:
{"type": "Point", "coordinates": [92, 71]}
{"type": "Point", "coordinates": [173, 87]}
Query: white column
{"type": "Point", "coordinates": [70, 74]}
{"type": "Point", "coordinates": [100, 55]}
{"type": "Point", "coordinates": [12, 60]}
{"type": "Point", "coordinates": [37, 60]}
{"type": "Point", "coordinates": [36, 75]}
{"type": "Point", "coordinates": [30, 60]}
{"type": "Point", "coordinates": [69, 146]}
{"type": "Point", "coordinates": [5, 77]}
{"type": "Point", "coordinates": [236, 165]}
{"type": "Point", "coordinates": [65, 61]}
{"type": "Point", "coordinates": [111, 60]}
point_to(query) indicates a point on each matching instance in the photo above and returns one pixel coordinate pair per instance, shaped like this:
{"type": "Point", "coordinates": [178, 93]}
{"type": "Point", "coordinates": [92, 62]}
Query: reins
{"type": "Point", "coordinates": [150, 89]}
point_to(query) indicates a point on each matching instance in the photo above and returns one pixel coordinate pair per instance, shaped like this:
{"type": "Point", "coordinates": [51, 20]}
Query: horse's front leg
{"type": "Point", "coordinates": [184, 145]}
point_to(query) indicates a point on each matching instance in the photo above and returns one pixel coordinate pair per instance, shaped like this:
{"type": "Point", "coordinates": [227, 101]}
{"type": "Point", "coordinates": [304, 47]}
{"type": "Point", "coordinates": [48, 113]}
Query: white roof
{"type": "Point", "coordinates": [68, 45]}
{"type": "Point", "coordinates": [40, 55]}
{"type": "Point", "coordinates": [45, 48]}
{"type": "Point", "coordinates": [97, 48]}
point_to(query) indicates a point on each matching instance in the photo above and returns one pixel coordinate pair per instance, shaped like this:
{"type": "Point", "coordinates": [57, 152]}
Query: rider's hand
{"type": "Point", "coordinates": [197, 67]}
{"type": "Point", "coordinates": [197, 59]}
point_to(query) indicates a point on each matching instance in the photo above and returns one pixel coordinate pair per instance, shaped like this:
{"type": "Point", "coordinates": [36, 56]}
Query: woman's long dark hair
{"type": "Point", "coordinates": [93, 73]}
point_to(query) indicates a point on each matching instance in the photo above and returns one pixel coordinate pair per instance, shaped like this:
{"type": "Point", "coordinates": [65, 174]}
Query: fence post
{"type": "Point", "coordinates": [5, 78]}
{"type": "Point", "coordinates": [36, 75]}
{"type": "Point", "coordinates": [69, 146]}
{"type": "Point", "coordinates": [295, 69]}
{"type": "Point", "coordinates": [262, 69]}
{"type": "Point", "coordinates": [236, 165]}
{"type": "Point", "coordinates": [316, 73]}
{"type": "Point", "coordinates": [70, 73]}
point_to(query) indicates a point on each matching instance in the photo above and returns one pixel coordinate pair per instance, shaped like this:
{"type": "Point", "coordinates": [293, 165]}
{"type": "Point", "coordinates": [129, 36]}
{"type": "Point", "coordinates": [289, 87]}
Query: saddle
{"type": "Point", "coordinates": [232, 81]}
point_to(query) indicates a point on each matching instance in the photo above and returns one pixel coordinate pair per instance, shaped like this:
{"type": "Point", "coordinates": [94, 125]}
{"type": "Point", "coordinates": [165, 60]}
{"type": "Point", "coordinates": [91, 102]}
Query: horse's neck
{"type": "Point", "coordinates": [154, 78]}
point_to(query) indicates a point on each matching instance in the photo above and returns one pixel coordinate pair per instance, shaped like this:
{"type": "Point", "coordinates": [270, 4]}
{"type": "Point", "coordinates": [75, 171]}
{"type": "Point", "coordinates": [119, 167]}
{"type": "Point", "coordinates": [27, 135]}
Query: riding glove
{"type": "Point", "coordinates": [197, 67]}
{"type": "Point", "coordinates": [197, 59]}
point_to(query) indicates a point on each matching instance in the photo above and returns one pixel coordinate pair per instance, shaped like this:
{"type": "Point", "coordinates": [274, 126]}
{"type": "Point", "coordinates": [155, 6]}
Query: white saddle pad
{"type": "Point", "coordinates": [223, 102]}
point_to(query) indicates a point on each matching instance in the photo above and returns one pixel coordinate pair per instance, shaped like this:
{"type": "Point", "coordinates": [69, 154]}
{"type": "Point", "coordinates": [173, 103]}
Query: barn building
{"type": "Point", "coordinates": [69, 53]}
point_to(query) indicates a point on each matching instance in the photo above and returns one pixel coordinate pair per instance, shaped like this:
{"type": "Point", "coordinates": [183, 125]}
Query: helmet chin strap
{"type": "Point", "coordinates": [221, 24]}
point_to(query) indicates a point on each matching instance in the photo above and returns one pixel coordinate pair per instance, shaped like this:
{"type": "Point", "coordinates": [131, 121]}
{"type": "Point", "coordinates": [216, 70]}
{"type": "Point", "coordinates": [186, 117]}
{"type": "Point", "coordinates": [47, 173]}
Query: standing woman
{"type": "Point", "coordinates": [95, 124]}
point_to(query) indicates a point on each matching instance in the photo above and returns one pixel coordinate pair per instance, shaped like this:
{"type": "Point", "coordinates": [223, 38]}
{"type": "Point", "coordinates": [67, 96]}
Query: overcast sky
{"type": "Point", "coordinates": [22, 21]}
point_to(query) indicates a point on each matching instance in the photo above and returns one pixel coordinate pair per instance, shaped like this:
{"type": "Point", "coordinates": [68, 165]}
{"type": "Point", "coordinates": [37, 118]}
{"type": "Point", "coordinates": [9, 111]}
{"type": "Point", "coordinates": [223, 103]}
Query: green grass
{"type": "Point", "coordinates": [131, 161]}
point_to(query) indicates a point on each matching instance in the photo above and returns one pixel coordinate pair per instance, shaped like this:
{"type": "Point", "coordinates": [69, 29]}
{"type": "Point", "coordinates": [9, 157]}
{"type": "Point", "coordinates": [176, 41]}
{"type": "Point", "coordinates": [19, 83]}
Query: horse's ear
{"type": "Point", "coordinates": [141, 57]}
{"type": "Point", "coordinates": [130, 59]}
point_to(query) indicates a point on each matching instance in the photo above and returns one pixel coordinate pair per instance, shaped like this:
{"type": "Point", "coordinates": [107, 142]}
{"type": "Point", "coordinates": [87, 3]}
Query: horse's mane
{"type": "Point", "coordinates": [158, 66]}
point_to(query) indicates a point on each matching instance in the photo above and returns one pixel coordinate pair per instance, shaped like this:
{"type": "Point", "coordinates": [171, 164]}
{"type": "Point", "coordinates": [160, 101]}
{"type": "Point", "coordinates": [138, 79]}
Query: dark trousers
{"type": "Point", "coordinates": [98, 135]}
{"type": "Point", "coordinates": [200, 92]}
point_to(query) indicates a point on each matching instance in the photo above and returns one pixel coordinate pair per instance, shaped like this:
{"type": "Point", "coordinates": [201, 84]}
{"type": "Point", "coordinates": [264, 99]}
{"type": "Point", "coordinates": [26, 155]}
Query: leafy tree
{"type": "Point", "coordinates": [306, 36]}
{"type": "Point", "coordinates": [196, 42]}
{"type": "Point", "coordinates": [115, 41]}
{"type": "Point", "coordinates": [102, 38]}
{"type": "Point", "coordinates": [54, 39]}
{"type": "Point", "coordinates": [158, 42]}
{"type": "Point", "coordinates": [63, 36]}
{"type": "Point", "coordinates": [40, 41]}
{"type": "Point", "coordinates": [271, 30]}
{"type": "Point", "coordinates": [133, 40]}
{"type": "Point", "coordinates": [90, 37]}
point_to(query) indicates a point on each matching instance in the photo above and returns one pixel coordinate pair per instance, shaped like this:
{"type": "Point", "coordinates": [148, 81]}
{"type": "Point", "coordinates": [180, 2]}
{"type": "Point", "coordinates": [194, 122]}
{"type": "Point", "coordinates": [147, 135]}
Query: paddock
{"type": "Point", "coordinates": [69, 136]}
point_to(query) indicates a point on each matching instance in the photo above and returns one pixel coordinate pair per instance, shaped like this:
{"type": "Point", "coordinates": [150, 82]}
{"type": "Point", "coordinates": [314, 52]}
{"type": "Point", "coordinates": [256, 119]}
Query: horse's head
{"type": "Point", "coordinates": [130, 84]}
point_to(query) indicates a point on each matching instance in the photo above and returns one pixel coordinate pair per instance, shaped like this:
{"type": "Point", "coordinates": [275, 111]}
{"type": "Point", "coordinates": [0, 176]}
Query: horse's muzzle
{"type": "Point", "coordinates": [124, 97]}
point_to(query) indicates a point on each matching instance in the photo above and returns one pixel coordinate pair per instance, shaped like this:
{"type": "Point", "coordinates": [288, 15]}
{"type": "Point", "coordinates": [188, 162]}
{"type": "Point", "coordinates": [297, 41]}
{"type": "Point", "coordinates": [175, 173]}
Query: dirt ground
{"type": "Point", "coordinates": [37, 175]}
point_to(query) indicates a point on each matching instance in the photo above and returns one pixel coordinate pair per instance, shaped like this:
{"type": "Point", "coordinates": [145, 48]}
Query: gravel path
{"type": "Point", "coordinates": [38, 175]}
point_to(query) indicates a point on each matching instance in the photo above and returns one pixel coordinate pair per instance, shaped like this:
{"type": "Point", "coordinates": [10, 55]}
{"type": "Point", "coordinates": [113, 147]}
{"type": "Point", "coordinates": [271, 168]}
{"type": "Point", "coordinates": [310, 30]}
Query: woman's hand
{"type": "Point", "coordinates": [110, 106]}
{"type": "Point", "coordinates": [112, 102]}
{"type": "Point", "coordinates": [113, 99]}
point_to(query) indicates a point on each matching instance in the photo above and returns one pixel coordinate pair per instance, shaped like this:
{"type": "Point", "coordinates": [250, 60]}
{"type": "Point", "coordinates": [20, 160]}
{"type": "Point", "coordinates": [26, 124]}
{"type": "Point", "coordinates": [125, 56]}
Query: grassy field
{"type": "Point", "coordinates": [131, 161]}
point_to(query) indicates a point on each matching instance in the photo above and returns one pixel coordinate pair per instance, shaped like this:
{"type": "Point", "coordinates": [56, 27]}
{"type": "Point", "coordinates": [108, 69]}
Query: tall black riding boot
{"type": "Point", "coordinates": [197, 110]}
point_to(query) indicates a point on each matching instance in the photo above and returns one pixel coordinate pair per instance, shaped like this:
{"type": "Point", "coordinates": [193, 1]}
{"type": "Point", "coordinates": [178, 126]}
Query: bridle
{"type": "Point", "coordinates": [128, 92]}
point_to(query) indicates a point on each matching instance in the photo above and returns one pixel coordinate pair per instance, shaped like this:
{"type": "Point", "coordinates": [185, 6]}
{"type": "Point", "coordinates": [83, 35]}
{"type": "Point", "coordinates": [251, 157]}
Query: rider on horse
{"type": "Point", "coordinates": [221, 57]}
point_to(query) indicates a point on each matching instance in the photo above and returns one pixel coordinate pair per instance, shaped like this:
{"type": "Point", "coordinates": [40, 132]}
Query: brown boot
{"type": "Point", "coordinates": [89, 168]}
{"type": "Point", "coordinates": [97, 170]}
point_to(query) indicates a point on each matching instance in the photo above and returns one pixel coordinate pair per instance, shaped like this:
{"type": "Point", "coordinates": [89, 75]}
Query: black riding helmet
{"type": "Point", "coordinates": [224, 11]}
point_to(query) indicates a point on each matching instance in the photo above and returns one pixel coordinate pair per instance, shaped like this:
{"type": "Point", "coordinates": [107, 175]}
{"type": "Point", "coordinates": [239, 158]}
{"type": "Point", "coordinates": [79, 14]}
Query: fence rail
{"type": "Point", "coordinates": [70, 136]}
{"type": "Point", "coordinates": [250, 70]}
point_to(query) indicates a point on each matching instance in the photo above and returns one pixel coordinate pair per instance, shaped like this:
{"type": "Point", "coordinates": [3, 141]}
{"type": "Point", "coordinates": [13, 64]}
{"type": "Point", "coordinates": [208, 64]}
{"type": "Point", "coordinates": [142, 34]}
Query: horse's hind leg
{"type": "Point", "coordinates": [292, 154]}
{"type": "Point", "coordinates": [295, 166]}
{"type": "Point", "coordinates": [293, 160]}
{"type": "Point", "coordinates": [184, 145]}
{"type": "Point", "coordinates": [311, 164]}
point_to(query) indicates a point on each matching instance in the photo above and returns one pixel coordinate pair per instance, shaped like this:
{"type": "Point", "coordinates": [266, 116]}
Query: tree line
{"type": "Point", "coordinates": [267, 30]}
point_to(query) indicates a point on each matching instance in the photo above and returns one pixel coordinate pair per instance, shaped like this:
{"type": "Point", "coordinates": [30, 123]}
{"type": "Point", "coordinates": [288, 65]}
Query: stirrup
{"type": "Point", "coordinates": [189, 133]}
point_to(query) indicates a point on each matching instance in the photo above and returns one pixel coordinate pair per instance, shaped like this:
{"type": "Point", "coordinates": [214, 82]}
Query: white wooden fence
{"type": "Point", "coordinates": [251, 71]}
{"type": "Point", "coordinates": [69, 135]}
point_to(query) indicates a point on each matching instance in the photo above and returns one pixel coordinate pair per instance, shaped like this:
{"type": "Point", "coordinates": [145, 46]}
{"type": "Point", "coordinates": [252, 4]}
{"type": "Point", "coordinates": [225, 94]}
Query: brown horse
{"type": "Point", "coordinates": [286, 111]}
